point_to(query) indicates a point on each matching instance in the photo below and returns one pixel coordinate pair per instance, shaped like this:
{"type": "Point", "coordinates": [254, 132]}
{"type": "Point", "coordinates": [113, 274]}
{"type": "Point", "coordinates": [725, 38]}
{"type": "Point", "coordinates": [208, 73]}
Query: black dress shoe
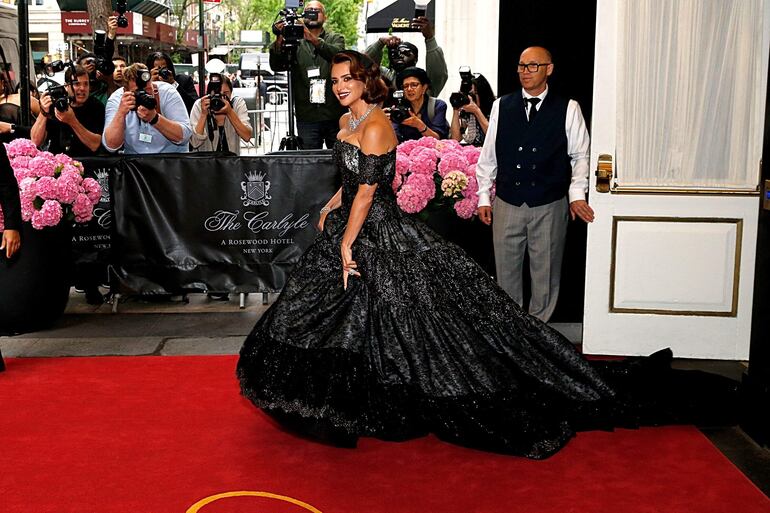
{"type": "Point", "coordinates": [2, 363]}
{"type": "Point", "coordinates": [219, 296]}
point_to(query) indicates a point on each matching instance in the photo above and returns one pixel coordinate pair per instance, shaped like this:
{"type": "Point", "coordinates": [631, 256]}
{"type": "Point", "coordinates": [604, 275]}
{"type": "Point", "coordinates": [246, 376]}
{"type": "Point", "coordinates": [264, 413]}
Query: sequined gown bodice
{"type": "Point", "coordinates": [424, 341]}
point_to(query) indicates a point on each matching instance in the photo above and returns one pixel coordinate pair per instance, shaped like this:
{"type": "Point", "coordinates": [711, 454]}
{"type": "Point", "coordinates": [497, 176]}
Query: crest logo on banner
{"type": "Point", "coordinates": [102, 176]}
{"type": "Point", "coordinates": [255, 189]}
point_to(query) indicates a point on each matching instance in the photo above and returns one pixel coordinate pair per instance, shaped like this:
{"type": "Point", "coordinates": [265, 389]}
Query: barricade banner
{"type": "Point", "coordinates": [221, 224]}
{"type": "Point", "coordinates": [91, 241]}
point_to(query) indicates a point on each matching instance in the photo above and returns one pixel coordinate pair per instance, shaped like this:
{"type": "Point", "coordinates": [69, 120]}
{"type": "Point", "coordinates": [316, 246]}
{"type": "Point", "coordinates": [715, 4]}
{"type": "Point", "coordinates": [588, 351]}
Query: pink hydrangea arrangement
{"type": "Point", "coordinates": [436, 173]}
{"type": "Point", "coordinates": [51, 187]}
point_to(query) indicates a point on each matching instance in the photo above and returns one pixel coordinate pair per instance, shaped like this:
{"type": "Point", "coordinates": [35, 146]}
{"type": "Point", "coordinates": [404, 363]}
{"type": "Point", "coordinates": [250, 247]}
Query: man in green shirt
{"type": "Point", "coordinates": [317, 109]}
{"type": "Point", "coordinates": [404, 55]}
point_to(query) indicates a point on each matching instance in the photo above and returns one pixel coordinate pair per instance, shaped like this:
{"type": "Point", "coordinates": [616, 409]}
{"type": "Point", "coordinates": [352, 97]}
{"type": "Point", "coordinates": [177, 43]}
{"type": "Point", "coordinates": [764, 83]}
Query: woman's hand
{"type": "Point", "coordinates": [414, 121]}
{"type": "Point", "coordinates": [348, 265]}
{"type": "Point", "coordinates": [472, 107]}
{"type": "Point", "coordinates": [321, 221]}
{"type": "Point", "coordinates": [11, 242]}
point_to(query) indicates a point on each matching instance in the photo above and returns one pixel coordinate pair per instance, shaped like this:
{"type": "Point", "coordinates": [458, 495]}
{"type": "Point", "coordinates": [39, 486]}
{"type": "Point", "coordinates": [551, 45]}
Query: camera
{"type": "Point", "coordinates": [121, 8]}
{"type": "Point", "coordinates": [293, 29]}
{"type": "Point", "coordinates": [401, 109]}
{"type": "Point", "coordinates": [53, 67]}
{"type": "Point", "coordinates": [217, 101]}
{"type": "Point", "coordinates": [142, 97]}
{"type": "Point", "coordinates": [102, 61]}
{"type": "Point", "coordinates": [460, 99]}
{"type": "Point", "coordinates": [60, 98]}
{"type": "Point", "coordinates": [165, 73]}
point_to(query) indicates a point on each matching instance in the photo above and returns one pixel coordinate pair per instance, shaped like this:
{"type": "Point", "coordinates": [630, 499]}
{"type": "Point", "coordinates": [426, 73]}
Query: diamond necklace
{"type": "Point", "coordinates": [353, 123]}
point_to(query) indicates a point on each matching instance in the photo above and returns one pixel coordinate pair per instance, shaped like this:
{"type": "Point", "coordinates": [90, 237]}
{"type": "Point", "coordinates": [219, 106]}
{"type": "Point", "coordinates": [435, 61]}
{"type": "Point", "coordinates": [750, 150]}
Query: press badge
{"type": "Point", "coordinates": [146, 138]}
{"type": "Point", "coordinates": [318, 90]}
{"type": "Point", "coordinates": [313, 72]}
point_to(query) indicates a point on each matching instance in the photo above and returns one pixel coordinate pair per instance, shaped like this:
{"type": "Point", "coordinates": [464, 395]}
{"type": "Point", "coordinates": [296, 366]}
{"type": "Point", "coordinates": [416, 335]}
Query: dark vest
{"type": "Point", "coordinates": [533, 165]}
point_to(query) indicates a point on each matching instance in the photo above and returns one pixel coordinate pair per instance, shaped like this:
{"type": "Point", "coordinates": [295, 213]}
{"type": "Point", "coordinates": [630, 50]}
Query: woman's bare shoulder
{"type": "Point", "coordinates": [377, 136]}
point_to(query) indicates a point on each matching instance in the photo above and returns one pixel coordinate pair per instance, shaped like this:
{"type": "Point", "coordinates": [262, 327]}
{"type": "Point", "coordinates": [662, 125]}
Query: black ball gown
{"type": "Point", "coordinates": [426, 342]}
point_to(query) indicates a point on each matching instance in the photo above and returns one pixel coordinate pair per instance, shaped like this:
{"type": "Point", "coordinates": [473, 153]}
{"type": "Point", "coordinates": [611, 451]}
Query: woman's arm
{"type": "Point", "coordinates": [334, 203]}
{"type": "Point", "coordinates": [480, 117]}
{"type": "Point", "coordinates": [377, 139]}
{"type": "Point", "coordinates": [239, 117]}
{"type": "Point", "coordinates": [454, 127]}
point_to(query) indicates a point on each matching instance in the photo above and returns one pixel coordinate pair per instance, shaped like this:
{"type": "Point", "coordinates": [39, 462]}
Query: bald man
{"type": "Point", "coordinates": [536, 152]}
{"type": "Point", "coordinates": [318, 111]}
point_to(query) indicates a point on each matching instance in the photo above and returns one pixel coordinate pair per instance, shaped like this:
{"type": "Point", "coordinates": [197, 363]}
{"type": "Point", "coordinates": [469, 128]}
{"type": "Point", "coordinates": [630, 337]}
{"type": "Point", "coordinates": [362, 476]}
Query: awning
{"type": "Point", "coordinates": [397, 16]}
{"type": "Point", "coordinates": [151, 8]}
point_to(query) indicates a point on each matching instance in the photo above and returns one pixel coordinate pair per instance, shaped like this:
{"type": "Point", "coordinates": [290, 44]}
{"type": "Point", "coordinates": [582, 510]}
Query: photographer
{"type": "Point", "coordinates": [470, 116]}
{"type": "Point", "coordinates": [219, 121]}
{"type": "Point", "coordinates": [404, 55]}
{"type": "Point", "coordinates": [317, 109]}
{"type": "Point", "coordinates": [162, 69]}
{"type": "Point", "coordinates": [70, 121]}
{"type": "Point", "coordinates": [145, 116]}
{"type": "Point", "coordinates": [425, 116]}
{"type": "Point", "coordinates": [99, 63]}
{"type": "Point", "coordinates": [117, 75]}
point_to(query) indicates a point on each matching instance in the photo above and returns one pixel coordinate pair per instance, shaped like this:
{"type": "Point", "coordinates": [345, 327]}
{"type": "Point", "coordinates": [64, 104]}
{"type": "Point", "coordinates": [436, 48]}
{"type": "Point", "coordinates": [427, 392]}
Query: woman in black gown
{"type": "Point", "coordinates": [386, 330]}
{"type": "Point", "coordinates": [10, 239]}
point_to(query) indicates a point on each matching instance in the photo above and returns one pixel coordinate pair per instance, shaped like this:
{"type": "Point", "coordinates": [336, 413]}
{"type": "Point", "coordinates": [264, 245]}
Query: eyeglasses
{"type": "Point", "coordinates": [532, 67]}
{"type": "Point", "coordinates": [412, 85]}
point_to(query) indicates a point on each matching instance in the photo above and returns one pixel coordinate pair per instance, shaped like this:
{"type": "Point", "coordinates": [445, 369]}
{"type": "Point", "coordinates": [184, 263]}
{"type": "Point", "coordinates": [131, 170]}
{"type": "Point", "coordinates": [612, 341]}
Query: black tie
{"type": "Point", "coordinates": [533, 108]}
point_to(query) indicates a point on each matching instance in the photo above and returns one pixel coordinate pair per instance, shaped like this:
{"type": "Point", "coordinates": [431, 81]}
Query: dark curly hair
{"type": "Point", "coordinates": [364, 69]}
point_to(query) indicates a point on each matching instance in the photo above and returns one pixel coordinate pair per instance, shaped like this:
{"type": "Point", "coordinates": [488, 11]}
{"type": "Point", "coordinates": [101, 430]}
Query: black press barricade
{"type": "Point", "coordinates": [181, 222]}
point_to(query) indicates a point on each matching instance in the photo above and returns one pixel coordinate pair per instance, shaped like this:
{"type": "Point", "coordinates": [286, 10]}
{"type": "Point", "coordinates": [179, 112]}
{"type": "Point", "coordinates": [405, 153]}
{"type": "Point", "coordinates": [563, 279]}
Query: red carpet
{"type": "Point", "coordinates": [159, 434]}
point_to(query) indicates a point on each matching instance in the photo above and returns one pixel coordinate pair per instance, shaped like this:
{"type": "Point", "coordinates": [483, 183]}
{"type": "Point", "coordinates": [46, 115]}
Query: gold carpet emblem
{"type": "Point", "coordinates": [197, 507]}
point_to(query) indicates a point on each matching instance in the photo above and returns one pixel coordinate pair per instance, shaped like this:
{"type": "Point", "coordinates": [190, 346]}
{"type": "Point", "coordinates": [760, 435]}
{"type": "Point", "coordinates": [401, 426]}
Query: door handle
{"type": "Point", "coordinates": [603, 172]}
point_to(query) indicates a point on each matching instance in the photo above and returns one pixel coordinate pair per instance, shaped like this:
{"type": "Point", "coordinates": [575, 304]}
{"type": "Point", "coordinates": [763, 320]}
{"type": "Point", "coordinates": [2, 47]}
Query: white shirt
{"type": "Point", "coordinates": [578, 144]}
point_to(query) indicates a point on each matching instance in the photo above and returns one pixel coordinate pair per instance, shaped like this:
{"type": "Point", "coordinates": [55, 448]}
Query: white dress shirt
{"type": "Point", "coordinates": [578, 144]}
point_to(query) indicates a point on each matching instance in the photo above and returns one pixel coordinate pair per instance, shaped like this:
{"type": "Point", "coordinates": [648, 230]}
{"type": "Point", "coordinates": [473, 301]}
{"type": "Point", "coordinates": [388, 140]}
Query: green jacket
{"type": "Point", "coordinates": [309, 56]}
{"type": "Point", "coordinates": [435, 64]}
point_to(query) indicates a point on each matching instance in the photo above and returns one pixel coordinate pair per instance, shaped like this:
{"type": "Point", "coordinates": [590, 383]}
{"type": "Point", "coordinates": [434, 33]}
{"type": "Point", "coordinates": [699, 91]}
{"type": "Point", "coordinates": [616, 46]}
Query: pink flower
{"type": "Point", "coordinates": [47, 188]}
{"type": "Point", "coordinates": [427, 142]}
{"type": "Point", "coordinates": [62, 159]}
{"type": "Point", "coordinates": [21, 173]}
{"type": "Point", "coordinates": [83, 209]}
{"type": "Point", "coordinates": [466, 208]}
{"type": "Point", "coordinates": [406, 147]}
{"type": "Point", "coordinates": [424, 183]}
{"type": "Point", "coordinates": [452, 161]}
{"type": "Point", "coordinates": [472, 154]}
{"type": "Point", "coordinates": [93, 190]}
{"type": "Point", "coordinates": [67, 190]}
{"type": "Point", "coordinates": [49, 215]}
{"type": "Point", "coordinates": [19, 147]}
{"type": "Point", "coordinates": [423, 161]}
{"type": "Point", "coordinates": [41, 166]}
{"type": "Point", "coordinates": [448, 146]}
{"type": "Point", "coordinates": [20, 161]}
{"type": "Point", "coordinates": [402, 164]}
{"type": "Point", "coordinates": [470, 170]}
{"type": "Point", "coordinates": [397, 181]}
{"type": "Point", "coordinates": [74, 167]}
{"type": "Point", "coordinates": [411, 200]}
